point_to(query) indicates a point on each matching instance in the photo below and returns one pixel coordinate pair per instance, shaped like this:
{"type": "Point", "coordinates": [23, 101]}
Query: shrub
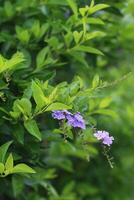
{"type": "Point", "coordinates": [48, 50]}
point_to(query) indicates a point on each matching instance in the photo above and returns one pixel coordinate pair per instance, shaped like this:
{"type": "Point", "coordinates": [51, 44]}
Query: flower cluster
{"type": "Point", "coordinates": [104, 137]}
{"type": "Point", "coordinates": [74, 120]}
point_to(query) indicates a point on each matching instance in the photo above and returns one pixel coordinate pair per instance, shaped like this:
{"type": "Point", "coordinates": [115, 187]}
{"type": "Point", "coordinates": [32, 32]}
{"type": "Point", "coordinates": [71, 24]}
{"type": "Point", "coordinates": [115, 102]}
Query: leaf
{"type": "Point", "coordinates": [83, 11]}
{"type": "Point", "coordinates": [10, 64]}
{"type": "Point", "coordinates": [87, 49]}
{"type": "Point", "coordinates": [23, 34]}
{"type": "Point", "coordinates": [23, 168]}
{"type": "Point", "coordinates": [2, 167]}
{"type": "Point", "coordinates": [92, 4]}
{"type": "Point", "coordinates": [18, 133]}
{"type": "Point", "coordinates": [97, 7]}
{"type": "Point", "coordinates": [32, 128]}
{"type": "Point", "coordinates": [38, 96]}
{"type": "Point", "coordinates": [9, 163]}
{"type": "Point", "coordinates": [105, 102]}
{"type": "Point", "coordinates": [58, 106]}
{"type": "Point", "coordinates": [41, 57]}
{"type": "Point", "coordinates": [92, 20]}
{"type": "Point", "coordinates": [107, 112]}
{"type": "Point", "coordinates": [8, 8]}
{"type": "Point", "coordinates": [17, 185]}
{"type": "Point", "coordinates": [26, 106]}
{"type": "Point", "coordinates": [77, 36]}
{"type": "Point", "coordinates": [3, 151]}
{"type": "Point", "coordinates": [21, 106]}
{"type": "Point", "coordinates": [73, 6]}
{"type": "Point", "coordinates": [95, 81]}
{"type": "Point", "coordinates": [94, 34]}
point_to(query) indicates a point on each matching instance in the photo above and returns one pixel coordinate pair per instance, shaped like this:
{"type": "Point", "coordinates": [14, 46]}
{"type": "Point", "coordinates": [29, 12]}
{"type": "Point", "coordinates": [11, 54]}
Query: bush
{"type": "Point", "coordinates": [51, 55]}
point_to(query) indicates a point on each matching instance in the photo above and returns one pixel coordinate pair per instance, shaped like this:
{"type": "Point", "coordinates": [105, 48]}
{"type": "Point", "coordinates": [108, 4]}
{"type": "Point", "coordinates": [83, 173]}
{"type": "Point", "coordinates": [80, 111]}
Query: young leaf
{"type": "Point", "coordinates": [32, 128]}
{"type": "Point", "coordinates": [41, 57]}
{"type": "Point", "coordinates": [83, 11]}
{"type": "Point", "coordinates": [8, 8]}
{"type": "Point", "coordinates": [9, 163]}
{"type": "Point", "coordinates": [97, 7]}
{"type": "Point", "coordinates": [10, 64]}
{"type": "Point", "coordinates": [73, 6]}
{"type": "Point", "coordinates": [23, 168]}
{"type": "Point", "coordinates": [25, 104]}
{"type": "Point", "coordinates": [38, 96]}
{"type": "Point", "coordinates": [58, 106]}
{"type": "Point", "coordinates": [105, 102]}
{"type": "Point", "coordinates": [87, 49]}
{"type": "Point", "coordinates": [95, 81]}
{"type": "Point", "coordinates": [77, 36]}
{"type": "Point", "coordinates": [3, 151]}
{"type": "Point", "coordinates": [2, 167]}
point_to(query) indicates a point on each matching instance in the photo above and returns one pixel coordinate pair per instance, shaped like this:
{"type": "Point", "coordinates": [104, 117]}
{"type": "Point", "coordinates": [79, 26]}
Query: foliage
{"type": "Point", "coordinates": [51, 54]}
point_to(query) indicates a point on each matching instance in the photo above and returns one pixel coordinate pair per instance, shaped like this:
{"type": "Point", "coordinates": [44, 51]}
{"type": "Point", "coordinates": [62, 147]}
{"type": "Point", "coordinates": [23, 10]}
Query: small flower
{"type": "Point", "coordinates": [58, 114]}
{"type": "Point", "coordinates": [101, 134]}
{"type": "Point", "coordinates": [76, 121]}
{"type": "Point", "coordinates": [108, 140]}
{"type": "Point", "coordinates": [104, 137]}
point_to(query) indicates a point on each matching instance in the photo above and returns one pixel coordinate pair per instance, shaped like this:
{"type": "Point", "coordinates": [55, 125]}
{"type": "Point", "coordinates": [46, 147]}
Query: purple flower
{"type": "Point", "coordinates": [58, 114]}
{"type": "Point", "coordinates": [108, 140]}
{"type": "Point", "coordinates": [104, 137]}
{"type": "Point", "coordinates": [101, 134]}
{"type": "Point", "coordinates": [76, 120]}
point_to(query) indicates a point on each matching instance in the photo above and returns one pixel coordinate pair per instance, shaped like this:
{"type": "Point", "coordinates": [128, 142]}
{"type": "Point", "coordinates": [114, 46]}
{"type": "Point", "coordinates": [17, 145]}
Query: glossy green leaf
{"type": "Point", "coordinates": [87, 49]}
{"type": "Point", "coordinates": [3, 151]}
{"type": "Point", "coordinates": [9, 163]}
{"type": "Point", "coordinates": [2, 168]}
{"type": "Point", "coordinates": [40, 98]}
{"type": "Point", "coordinates": [32, 128]}
{"type": "Point", "coordinates": [23, 168]}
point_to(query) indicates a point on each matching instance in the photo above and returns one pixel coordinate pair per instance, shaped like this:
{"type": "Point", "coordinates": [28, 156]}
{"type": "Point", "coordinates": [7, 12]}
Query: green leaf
{"type": "Point", "coordinates": [38, 96]}
{"type": "Point", "coordinates": [21, 106]}
{"type": "Point", "coordinates": [107, 112]}
{"type": "Point", "coordinates": [77, 36]}
{"type": "Point", "coordinates": [32, 128]}
{"type": "Point", "coordinates": [17, 185]}
{"type": "Point", "coordinates": [95, 81]}
{"type": "Point", "coordinates": [97, 7]}
{"type": "Point", "coordinates": [23, 34]}
{"type": "Point", "coordinates": [83, 11]}
{"type": "Point", "coordinates": [2, 168]}
{"type": "Point", "coordinates": [9, 163]}
{"type": "Point", "coordinates": [23, 168]}
{"type": "Point", "coordinates": [94, 34]}
{"type": "Point", "coordinates": [105, 102]}
{"type": "Point", "coordinates": [92, 20]}
{"type": "Point", "coordinates": [87, 49]}
{"type": "Point", "coordinates": [18, 133]}
{"type": "Point", "coordinates": [58, 106]}
{"type": "Point", "coordinates": [40, 60]}
{"type": "Point", "coordinates": [8, 8]}
{"type": "Point", "coordinates": [92, 4]}
{"type": "Point", "coordinates": [3, 151]}
{"type": "Point", "coordinates": [10, 64]}
{"type": "Point", "coordinates": [73, 6]}
{"type": "Point", "coordinates": [25, 104]}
